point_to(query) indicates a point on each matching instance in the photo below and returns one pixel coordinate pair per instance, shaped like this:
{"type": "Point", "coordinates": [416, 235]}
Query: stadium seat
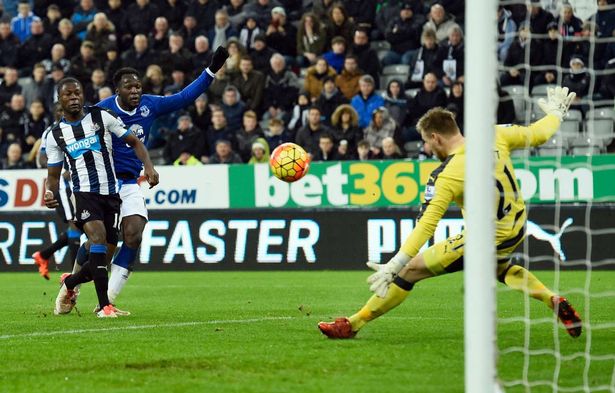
{"type": "Point", "coordinates": [570, 127]}
{"type": "Point", "coordinates": [521, 153]}
{"type": "Point", "coordinates": [586, 143]}
{"type": "Point", "coordinates": [599, 124]}
{"type": "Point", "coordinates": [413, 148]}
{"type": "Point", "coordinates": [540, 90]}
{"type": "Point", "coordinates": [411, 93]}
{"type": "Point", "coordinates": [400, 69]}
{"type": "Point", "coordinates": [381, 53]}
{"type": "Point", "coordinates": [380, 45]}
{"type": "Point", "coordinates": [385, 79]}
{"type": "Point", "coordinates": [551, 151]}
{"type": "Point", "coordinates": [517, 93]}
{"type": "Point", "coordinates": [585, 151]}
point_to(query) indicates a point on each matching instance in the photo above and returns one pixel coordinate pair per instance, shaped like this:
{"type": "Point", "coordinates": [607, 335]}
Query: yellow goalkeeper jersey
{"type": "Point", "coordinates": [446, 185]}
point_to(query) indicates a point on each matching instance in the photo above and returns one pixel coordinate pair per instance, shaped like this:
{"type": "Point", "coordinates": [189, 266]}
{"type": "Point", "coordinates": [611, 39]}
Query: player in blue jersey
{"type": "Point", "coordinates": [138, 111]}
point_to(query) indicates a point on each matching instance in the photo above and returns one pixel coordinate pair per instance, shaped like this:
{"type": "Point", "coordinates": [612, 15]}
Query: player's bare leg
{"type": "Point", "coordinates": [398, 290]}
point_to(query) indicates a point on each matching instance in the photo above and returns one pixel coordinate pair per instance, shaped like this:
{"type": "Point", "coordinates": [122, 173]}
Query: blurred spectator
{"type": "Point", "coordinates": [14, 158]}
{"type": "Point", "coordinates": [330, 98]}
{"type": "Point", "coordinates": [315, 76]}
{"type": "Point", "coordinates": [104, 92]}
{"type": "Point", "coordinates": [281, 36]}
{"type": "Point", "coordinates": [85, 63]}
{"type": "Point", "coordinates": [178, 82]}
{"type": "Point", "coordinates": [185, 139]}
{"type": "Point", "coordinates": [202, 56]}
{"type": "Point", "coordinates": [424, 60]}
{"type": "Point", "coordinates": [322, 8]}
{"type": "Point", "coordinates": [200, 112]}
{"type": "Point", "coordinates": [35, 49]}
{"type": "Point", "coordinates": [311, 40]}
{"type": "Point", "coordinates": [362, 12]}
{"type": "Point", "coordinates": [9, 46]}
{"type": "Point", "coordinates": [247, 135]}
{"type": "Point", "coordinates": [13, 122]}
{"type": "Point", "coordinates": [224, 153]}
{"type": "Point", "coordinates": [335, 57]}
{"type": "Point", "coordinates": [115, 13]}
{"type": "Point", "coordinates": [250, 84]}
{"type": "Point", "coordinates": [36, 123]}
{"type": "Point", "coordinates": [261, 55]}
{"type": "Point", "coordinates": [112, 63]}
{"type": "Point", "coordinates": [429, 96]}
{"type": "Point", "coordinates": [222, 30]}
{"type": "Point", "coordinates": [140, 17]}
{"type": "Point", "coordinates": [449, 65]}
{"type": "Point", "coordinates": [380, 127]}
{"type": "Point", "coordinates": [190, 30]}
{"type": "Point", "coordinates": [52, 19]}
{"type": "Point", "coordinates": [50, 90]}
{"type": "Point", "coordinates": [395, 101]}
{"type": "Point", "coordinates": [367, 57]}
{"type": "Point", "coordinates": [187, 159]}
{"type": "Point", "coordinates": [390, 10]}
{"type": "Point", "coordinates": [58, 56]}
{"type": "Point", "coordinates": [404, 34]}
{"type": "Point", "coordinates": [20, 24]}
{"type": "Point", "coordinates": [9, 86]}
{"type": "Point", "coordinates": [517, 60]}
{"type": "Point", "coordinates": [204, 12]}
{"type": "Point", "coordinates": [281, 87]}
{"type": "Point", "coordinates": [366, 101]}
{"type": "Point", "coordinates": [101, 33]}
{"type": "Point", "coordinates": [604, 19]}
{"type": "Point", "coordinates": [259, 152]}
{"type": "Point", "coordinates": [308, 136]}
{"type": "Point", "coordinates": [218, 130]}
{"type": "Point", "coordinates": [159, 37]}
{"type": "Point", "coordinates": [550, 56]}
{"type": "Point", "coordinates": [578, 79]}
{"type": "Point", "coordinates": [34, 88]}
{"type": "Point", "coordinates": [586, 47]}
{"type": "Point", "coordinates": [261, 9]}
{"type": "Point", "coordinates": [233, 108]}
{"type": "Point", "coordinates": [139, 56]}
{"type": "Point", "coordinates": [236, 51]}
{"type": "Point", "coordinates": [154, 82]}
{"type": "Point", "coordinates": [176, 57]}
{"type": "Point", "coordinates": [174, 11]}
{"type": "Point", "coordinates": [249, 31]}
{"type": "Point", "coordinates": [506, 108]}
{"type": "Point", "coordinates": [507, 29]}
{"type": "Point", "coordinates": [539, 18]}
{"type": "Point", "coordinates": [234, 8]}
{"type": "Point", "coordinates": [439, 21]}
{"type": "Point", "coordinates": [276, 134]}
{"type": "Point", "coordinates": [300, 113]}
{"type": "Point", "coordinates": [364, 151]}
{"type": "Point", "coordinates": [390, 150]}
{"type": "Point", "coordinates": [216, 89]}
{"type": "Point", "coordinates": [97, 82]}
{"type": "Point", "coordinates": [455, 103]}
{"type": "Point", "coordinates": [83, 15]}
{"type": "Point", "coordinates": [346, 131]}
{"type": "Point", "coordinates": [68, 38]}
{"type": "Point", "coordinates": [348, 80]}
{"type": "Point", "coordinates": [338, 24]}
{"type": "Point", "coordinates": [326, 149]}
{"type": "Point", "coordinates": [569, 25]}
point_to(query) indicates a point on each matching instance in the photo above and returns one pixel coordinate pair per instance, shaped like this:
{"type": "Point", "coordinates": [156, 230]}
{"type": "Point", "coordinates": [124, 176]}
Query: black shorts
{"type": "Point", "coordinates": [66, 208]}
{"type": "Point", "coordinates": [96, 207]}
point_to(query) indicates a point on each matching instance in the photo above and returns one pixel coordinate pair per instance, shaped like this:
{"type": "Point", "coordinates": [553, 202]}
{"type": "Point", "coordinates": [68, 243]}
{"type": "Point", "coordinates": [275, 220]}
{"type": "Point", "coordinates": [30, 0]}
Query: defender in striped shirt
{"type": "Point", "coordinates": [83, 138]}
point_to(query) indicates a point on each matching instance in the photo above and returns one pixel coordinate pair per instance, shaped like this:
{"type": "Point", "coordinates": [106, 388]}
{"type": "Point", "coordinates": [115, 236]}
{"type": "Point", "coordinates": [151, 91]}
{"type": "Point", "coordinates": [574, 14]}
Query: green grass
{"type": "Point", "coordinates": [186, 335]}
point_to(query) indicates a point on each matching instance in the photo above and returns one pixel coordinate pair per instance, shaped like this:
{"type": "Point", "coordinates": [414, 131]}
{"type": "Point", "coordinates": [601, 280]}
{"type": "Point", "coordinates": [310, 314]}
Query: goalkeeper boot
{"type": "Point", "coordinates": [107, 312]}
{"type": "Point", "coordinates": [42, 263]}
{"type": "Point", "coordinates": [118, 312]}
{"type": "Point", "coordinates": [67, 298]}
{"type": "Point", "coordinates": [340, 328]}
{"type": "Point", "coordinates": [567, 315]}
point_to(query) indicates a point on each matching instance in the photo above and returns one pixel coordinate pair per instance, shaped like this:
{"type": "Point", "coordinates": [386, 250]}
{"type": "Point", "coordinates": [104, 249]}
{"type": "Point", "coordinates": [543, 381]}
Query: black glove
{"type": "Point", "coordinates": [218, 60]}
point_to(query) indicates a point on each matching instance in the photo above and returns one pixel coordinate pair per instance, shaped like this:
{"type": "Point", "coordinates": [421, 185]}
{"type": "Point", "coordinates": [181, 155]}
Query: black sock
{"type": "Point", "coordinates": [61, 242]}
{"type": "Point", "coordinates": [98, 267]}
{"type": "Point", "coordinates": [82, 276]}
{"type": "Point", "coordinates": [73, 248]}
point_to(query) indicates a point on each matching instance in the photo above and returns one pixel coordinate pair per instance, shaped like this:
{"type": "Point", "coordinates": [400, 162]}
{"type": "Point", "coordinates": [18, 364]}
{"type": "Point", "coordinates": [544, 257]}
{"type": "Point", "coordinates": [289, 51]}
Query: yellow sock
{"type": "Point", "coordinates": [521, 279]}
{"type": "Point", "coordinates": [376, 306]}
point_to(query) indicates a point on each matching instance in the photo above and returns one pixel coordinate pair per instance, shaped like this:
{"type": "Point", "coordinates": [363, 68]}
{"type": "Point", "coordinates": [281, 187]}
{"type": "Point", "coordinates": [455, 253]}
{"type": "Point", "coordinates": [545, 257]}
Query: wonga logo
{"type": "Point", "coordinates": [78, 148]}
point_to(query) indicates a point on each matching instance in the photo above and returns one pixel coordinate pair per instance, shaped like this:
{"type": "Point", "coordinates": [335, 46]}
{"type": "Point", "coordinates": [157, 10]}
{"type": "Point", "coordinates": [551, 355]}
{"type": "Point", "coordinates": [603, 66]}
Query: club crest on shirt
{"type": "Point", "coordinates": [430, 192]}
{"type": "Point", "coordinates": [144, 111]}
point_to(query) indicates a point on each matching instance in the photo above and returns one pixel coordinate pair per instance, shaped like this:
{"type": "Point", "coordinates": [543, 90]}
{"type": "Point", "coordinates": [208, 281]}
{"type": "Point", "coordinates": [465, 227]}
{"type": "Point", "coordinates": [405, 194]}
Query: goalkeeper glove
{"type": "Point", "coordinates": [558, 101]}
{"type": "Point", "coordinates": [218, 59]}
{"type": "Point", "coordinates": [385, 274]}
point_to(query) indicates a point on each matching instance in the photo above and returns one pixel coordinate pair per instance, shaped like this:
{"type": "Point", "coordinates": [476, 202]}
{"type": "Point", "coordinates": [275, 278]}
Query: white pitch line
{"type": "Point", "coordinates": [140, 327]}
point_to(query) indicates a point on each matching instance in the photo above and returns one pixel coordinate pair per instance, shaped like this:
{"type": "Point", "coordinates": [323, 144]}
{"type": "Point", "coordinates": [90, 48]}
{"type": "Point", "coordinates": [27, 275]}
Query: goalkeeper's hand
{"type": "Point", "coordinates": [218, 59]}
{"type": "Point", "coordinates": [385, 273]}
{"type": "Point", "coordinates": [558, 101]}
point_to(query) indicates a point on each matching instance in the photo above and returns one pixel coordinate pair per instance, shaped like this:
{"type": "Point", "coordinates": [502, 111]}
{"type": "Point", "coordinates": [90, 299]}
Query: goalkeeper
{"type": "Point", "coordinates": [394, 280]}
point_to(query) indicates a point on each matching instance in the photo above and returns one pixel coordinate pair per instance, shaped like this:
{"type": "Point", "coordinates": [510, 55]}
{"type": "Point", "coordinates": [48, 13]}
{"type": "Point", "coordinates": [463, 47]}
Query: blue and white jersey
{"type": "Point", "coordinates": [139, 121]}
{"type": "Point", "coordinates": [64, 183]}
{"type": "Point", "coordinates": [86, 145]}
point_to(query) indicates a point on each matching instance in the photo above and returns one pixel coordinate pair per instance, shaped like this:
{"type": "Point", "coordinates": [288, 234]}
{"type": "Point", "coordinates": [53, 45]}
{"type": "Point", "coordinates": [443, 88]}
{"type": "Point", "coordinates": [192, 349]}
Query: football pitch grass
{"type": "Point", "coordinates": [256, 332]}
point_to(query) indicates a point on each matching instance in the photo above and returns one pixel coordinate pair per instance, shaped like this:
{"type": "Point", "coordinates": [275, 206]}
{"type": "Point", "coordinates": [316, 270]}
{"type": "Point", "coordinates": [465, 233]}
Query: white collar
{"type": "Point", "coordinates": [120, 108]}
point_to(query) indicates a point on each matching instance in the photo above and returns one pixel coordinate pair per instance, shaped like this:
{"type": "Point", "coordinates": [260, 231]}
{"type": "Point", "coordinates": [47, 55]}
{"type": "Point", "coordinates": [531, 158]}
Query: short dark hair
{"type": "Point", "coordinates": [326, 135]}
{"type": "Point", "coordinates": [314, 107]}
{"type": "Point", "coordinates": [67, 80]}
{"type": "Point", "coordinates": [119, 74]}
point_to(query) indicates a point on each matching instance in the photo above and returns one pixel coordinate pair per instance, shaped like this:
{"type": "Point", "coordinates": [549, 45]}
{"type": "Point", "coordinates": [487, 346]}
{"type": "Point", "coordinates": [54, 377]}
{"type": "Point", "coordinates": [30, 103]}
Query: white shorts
{"type": "Point", "coordinates": [133, 201]}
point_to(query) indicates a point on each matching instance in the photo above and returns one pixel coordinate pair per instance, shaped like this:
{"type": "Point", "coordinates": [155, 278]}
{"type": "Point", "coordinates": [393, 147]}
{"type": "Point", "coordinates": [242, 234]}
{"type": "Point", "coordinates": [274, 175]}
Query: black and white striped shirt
{"type": "Point", "coordinates": [87, 146]}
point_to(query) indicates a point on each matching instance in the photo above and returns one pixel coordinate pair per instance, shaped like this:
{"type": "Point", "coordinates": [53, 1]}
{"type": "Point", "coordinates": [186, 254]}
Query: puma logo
{"type": "Point", "coordinates": [553, 238]}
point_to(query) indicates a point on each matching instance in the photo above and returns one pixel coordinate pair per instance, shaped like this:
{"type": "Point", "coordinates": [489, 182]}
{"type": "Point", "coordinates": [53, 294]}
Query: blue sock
{"type": "Point", "coordinates": [82, 255]}
{"type": "Point", "coordinates": [72, 234]}
{"type": "Point", "coordinates": [125, 257]}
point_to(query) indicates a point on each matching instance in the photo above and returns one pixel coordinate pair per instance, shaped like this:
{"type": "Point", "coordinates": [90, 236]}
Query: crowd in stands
{"type": "Point", "coordinates": [313, 71]}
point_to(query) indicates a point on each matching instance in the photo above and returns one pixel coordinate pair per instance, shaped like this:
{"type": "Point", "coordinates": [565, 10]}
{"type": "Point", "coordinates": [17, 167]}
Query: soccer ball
{"type": "Point", "coordinates": [289, 162]}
